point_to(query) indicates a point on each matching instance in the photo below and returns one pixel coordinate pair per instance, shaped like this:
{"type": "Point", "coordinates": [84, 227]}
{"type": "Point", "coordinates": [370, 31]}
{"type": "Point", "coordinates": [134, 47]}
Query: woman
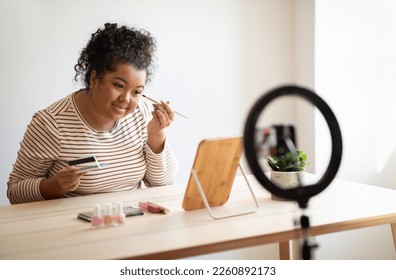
{"type": "Point", "coordinates": [107, 119]}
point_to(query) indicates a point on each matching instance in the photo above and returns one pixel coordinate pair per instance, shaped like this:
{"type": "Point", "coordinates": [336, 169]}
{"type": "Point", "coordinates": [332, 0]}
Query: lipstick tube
{"type": "Point", "coordinates": [153, 208]}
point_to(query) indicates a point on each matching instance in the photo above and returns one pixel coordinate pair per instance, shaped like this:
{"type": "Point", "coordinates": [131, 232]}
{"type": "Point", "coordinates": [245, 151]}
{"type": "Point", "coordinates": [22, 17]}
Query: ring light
{"type": "Point", "coordinates": [301, 194]}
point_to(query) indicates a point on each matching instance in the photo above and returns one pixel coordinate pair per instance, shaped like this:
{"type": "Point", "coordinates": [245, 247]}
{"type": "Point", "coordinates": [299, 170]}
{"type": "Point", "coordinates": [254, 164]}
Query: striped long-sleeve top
{"type": "Point", "coordinates": [58, 134]}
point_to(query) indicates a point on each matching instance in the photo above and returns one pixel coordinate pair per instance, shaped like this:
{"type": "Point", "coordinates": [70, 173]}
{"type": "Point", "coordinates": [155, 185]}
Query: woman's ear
{"type": "Point", "coordinates": [93, 79]}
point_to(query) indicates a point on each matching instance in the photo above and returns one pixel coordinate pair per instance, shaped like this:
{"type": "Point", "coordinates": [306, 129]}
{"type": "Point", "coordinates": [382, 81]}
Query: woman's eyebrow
{"type": "Point", "coordinates": [121, 79]}
{"type": "Point", "coordinates": [126, 82]}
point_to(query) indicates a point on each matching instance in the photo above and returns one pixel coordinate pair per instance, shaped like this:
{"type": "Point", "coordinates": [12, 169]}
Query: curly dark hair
{"type": "Point", "coordinates": [113, 45]}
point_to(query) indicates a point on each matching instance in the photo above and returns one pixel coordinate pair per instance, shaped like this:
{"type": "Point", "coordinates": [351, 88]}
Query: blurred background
{"type": "Point", "coordinates": [215, 59]}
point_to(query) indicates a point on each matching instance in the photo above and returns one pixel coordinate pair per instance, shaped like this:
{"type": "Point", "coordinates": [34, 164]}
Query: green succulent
{"type": "Point", "coordinates": [288, 162]}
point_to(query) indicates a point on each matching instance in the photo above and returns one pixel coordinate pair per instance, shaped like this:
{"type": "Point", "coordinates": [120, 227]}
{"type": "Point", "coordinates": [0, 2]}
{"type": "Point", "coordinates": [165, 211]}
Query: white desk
{"type": "Point", "coordinates": [50, 229]}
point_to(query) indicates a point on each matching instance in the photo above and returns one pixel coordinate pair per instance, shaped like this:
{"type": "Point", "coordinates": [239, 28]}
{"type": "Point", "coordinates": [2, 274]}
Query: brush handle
{"type": "Point", "coordinates": [156, 102]}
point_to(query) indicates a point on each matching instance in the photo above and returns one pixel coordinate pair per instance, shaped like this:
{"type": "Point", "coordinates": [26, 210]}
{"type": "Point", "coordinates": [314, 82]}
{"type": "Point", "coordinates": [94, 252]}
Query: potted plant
{"type": "Point", "coordinates": [287, 171]}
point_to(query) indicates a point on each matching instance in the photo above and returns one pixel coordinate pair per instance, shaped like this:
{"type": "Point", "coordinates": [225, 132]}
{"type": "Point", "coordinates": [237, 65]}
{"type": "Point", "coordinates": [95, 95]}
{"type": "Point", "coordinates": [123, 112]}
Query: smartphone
{"type": "Point", "coordinates": [128, 211]}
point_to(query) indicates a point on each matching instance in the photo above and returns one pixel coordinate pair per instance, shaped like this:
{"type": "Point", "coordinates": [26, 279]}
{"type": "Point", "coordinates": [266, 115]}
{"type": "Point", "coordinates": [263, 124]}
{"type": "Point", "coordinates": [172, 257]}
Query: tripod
{"type": "Point", "coordinates": [307, 244]}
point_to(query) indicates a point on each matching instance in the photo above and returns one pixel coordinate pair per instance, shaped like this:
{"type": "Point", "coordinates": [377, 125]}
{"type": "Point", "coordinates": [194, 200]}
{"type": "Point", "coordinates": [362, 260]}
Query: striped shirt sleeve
{"type": "Point", "coordinates": [161, 168]}
{"type": "Point", "coordinates": [39, 148]}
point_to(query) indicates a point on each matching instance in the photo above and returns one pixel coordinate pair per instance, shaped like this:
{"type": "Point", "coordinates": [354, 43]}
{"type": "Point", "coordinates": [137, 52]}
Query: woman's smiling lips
{"type": "Point", "coordinates": [120, 108]}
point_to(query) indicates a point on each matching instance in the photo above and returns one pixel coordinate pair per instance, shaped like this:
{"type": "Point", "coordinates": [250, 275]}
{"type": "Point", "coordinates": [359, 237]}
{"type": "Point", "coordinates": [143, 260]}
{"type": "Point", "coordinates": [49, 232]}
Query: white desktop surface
{"type": "Point", "coordinates": [51, 230]}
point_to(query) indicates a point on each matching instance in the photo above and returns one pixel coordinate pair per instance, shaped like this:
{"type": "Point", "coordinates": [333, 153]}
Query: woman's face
{"type": "Point", "coordinates": [116, 94]}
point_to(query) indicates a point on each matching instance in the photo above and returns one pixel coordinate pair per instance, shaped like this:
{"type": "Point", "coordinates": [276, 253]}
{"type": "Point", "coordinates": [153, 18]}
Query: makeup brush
{"type": "Point", "coordinates": [156, 102]}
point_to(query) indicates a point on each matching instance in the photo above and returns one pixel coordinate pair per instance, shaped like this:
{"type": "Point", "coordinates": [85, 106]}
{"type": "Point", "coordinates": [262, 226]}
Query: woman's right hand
{"type": "Point", "coordinates": [66, 180]}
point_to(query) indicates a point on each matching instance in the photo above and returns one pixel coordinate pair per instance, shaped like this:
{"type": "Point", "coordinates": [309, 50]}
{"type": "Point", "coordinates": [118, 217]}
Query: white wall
{"type": "Point", "coordinates": [214, 59]}
{"type": "Point", "coordinates": [355, 70]}
{"type": "Point", "coordinates": [304, 31]}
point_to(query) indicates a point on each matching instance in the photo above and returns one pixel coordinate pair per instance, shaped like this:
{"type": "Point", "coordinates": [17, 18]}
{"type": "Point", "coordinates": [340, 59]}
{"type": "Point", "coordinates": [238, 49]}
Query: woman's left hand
{"type": "Point", "coordinates": [163, 117]}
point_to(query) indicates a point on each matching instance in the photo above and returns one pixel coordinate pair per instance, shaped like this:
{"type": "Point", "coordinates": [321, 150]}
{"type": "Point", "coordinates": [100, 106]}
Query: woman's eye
{"type": "Point", "coordinates": [117, 85]}
{"type": "Point", "coordinates": [136, 93]}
